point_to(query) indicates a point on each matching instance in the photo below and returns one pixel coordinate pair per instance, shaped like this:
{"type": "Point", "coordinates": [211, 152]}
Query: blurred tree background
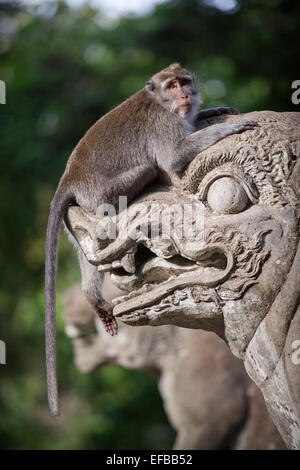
{"type": "Point", "coordinates": [64, 68]}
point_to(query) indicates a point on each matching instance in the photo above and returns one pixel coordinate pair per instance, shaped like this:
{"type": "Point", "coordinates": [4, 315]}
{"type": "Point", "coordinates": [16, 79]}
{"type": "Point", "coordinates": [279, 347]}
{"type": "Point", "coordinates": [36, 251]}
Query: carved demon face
{"type": "Point", "coordinates": [221, 254]}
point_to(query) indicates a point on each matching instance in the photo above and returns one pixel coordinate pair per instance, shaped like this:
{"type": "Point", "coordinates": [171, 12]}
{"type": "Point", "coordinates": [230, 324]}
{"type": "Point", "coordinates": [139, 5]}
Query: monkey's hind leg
{"type": "Point", "coordinates": [91, 282]}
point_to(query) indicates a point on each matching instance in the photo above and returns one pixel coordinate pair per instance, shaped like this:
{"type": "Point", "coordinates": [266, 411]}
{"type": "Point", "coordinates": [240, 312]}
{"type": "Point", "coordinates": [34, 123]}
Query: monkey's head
{"type": "Point", "coordinates": [176, 90]}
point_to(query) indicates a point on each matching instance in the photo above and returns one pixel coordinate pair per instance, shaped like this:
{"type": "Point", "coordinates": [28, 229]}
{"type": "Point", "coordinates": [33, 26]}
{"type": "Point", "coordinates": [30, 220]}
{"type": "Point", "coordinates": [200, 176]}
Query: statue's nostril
{"type": "Point", "coordinates": [216, 260]}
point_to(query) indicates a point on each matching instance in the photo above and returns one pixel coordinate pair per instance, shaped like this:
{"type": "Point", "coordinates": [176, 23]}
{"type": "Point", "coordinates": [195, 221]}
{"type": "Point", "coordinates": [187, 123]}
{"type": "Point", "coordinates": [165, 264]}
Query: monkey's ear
{"type": "Point", "coordinates": [149, 87]}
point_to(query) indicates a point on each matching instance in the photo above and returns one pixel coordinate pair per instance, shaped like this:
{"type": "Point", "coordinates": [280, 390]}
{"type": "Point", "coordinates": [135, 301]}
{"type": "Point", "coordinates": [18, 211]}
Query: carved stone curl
{"type": "Point", "coordinates": [220, 253]}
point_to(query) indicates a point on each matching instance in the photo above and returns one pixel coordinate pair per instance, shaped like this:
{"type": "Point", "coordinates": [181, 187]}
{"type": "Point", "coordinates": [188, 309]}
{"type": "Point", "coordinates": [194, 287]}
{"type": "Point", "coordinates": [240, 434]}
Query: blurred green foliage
{"type": "Point", "coordinates": [63, 69]}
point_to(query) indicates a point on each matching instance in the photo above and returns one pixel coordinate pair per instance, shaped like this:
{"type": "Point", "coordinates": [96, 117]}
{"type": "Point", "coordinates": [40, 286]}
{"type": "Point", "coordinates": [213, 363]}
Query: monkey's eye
{"type": "Point", "coordinates": [185, 82]}
{"type": "Point", "coordinates": [227, 191]}
{"type": "Point", "coordinates": [171, 85]}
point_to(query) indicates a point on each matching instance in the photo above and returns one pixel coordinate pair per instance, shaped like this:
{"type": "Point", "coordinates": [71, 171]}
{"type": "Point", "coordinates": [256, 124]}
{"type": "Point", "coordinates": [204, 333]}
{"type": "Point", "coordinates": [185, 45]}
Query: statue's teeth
{"type": "Point", "coordinates": [128, 264]}
{"type": "Point", "coordinates": [120, 299]}
{"type": "Point", "coordinates": [104, 267]}
{"type": "Point", "coordinates": [110, 266]}
{"type": "Point", "coordinates": [116, 264]}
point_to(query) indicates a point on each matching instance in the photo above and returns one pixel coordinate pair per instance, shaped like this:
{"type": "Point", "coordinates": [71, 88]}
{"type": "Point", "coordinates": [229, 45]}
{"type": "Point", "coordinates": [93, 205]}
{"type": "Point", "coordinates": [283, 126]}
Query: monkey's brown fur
{"type": "Point", "coordinates": [151, 133]}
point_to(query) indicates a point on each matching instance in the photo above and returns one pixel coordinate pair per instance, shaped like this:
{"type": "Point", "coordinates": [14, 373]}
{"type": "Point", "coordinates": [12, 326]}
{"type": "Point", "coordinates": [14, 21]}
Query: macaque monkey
{"type": "Point", "coordinates": [152, 133]}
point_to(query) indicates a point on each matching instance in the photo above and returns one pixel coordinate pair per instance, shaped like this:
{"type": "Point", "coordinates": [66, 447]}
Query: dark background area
{"type": "Point", "coordinates": [64, 68]}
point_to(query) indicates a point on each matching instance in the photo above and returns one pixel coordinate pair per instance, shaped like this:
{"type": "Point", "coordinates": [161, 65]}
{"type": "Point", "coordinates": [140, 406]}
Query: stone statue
{"type": "Point", "coordinates": [220, 253]}
{"type": "Point", "coordinates": [209, 399]}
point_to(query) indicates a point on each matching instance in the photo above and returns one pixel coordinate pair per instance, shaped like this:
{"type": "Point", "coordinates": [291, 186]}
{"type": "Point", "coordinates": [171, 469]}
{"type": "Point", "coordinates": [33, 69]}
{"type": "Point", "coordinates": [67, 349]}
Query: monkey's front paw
{"type": "Point", "coordinates": [223, 110]}
{"type": "Point", "coordinates": [232, 111]}
{"type": "Point", "coordinates": [244, 126]}
{"type": "Point", "coordinates": [109, 322]}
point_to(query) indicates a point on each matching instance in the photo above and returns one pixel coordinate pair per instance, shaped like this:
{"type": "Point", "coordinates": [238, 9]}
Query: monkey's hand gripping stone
{"type": "Point", "coordinates": [105, 313]}
{"type": "Point", "coordinates": [234, 268]}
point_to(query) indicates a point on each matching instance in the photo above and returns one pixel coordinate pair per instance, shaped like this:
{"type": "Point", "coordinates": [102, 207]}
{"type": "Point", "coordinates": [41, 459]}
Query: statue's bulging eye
{"type": "Point", "coordinates": [227, 196]}
{"type": "Point", "coordinates": [227, 190]}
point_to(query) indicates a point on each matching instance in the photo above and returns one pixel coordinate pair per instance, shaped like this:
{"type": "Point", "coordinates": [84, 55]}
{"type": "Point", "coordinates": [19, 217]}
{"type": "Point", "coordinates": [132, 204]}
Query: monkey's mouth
{"type": "Point", "coordinates": [183, 110]}
{"type": "Point", "coordinates": [157, 277]}
{"type": "Point", "coordinates": [184, 106]}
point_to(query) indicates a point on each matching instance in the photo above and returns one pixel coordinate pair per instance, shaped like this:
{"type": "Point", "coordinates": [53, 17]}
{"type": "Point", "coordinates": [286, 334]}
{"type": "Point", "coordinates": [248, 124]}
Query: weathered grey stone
{"type": "Point", "coordinates": [208, 397]}
{"type": "Point", "coordinates": [235, 269]}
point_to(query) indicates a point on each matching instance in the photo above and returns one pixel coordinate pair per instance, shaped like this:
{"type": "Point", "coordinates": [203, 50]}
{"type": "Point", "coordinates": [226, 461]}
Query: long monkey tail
{"type": "Point", "coordinates": [62, 199]}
